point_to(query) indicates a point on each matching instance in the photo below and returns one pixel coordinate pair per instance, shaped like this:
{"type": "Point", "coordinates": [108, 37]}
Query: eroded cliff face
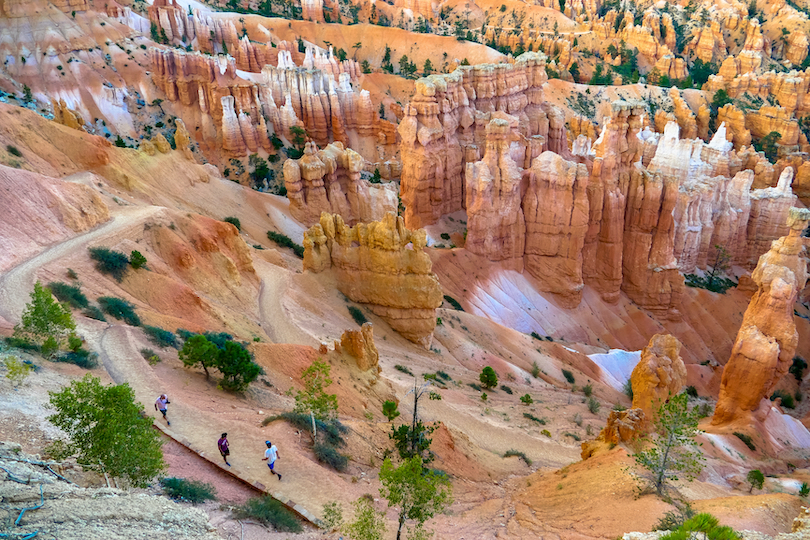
{"type": "Point", "coordinates": [381, 264]}
{"type": "Point", "coordinates": [320, 97]}
{"type": "Point", "coordinates": [329, 181]}
{"type": "Point", "coordinates": [766, 342]}
{"type": "Point", "coordinates": [444, 127]}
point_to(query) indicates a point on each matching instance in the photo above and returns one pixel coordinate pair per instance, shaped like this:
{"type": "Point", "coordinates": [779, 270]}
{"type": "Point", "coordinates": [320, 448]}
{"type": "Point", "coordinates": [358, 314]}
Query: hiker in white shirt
{"type": "Point", "coordinates": [271, 455]}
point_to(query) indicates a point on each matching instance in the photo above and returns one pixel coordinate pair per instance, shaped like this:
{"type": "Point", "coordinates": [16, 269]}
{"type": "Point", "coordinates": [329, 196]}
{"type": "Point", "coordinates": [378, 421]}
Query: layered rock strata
{"type": "Point", "coordinates": [381, 264]}
{"type": "Point", "coordinates": [767, 340]}
{"type": "Point", "coordinates": [329, 180]}
{"type": "Point", "coordinates": [444, 127]}
{"type": "Point", "coordinates": [248, 113]}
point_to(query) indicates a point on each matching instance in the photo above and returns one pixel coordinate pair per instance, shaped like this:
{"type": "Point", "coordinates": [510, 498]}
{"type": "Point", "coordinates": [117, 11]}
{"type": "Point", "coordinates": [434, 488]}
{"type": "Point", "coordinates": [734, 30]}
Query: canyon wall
{"type": "Point", "coordinates": [322, 100]}
{"type": "Point", "coordinates": [381, 264]}
{"type": "Point", "coordinates": [630, 212]}
{"type": "Point", "coordinates": [767, 340]}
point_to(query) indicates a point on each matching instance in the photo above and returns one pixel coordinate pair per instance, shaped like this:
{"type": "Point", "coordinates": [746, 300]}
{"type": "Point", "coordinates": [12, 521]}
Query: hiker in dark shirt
{"type": "Point", "coordinates": [222, 444]}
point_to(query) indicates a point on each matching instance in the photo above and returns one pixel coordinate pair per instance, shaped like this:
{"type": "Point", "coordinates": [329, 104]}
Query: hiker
{"type": "Point", "coordinates": [161, 405]}
{"type": "Point", "coordinates": [222, 444]}
{"type": "Point", "coordinates": [271, 454]}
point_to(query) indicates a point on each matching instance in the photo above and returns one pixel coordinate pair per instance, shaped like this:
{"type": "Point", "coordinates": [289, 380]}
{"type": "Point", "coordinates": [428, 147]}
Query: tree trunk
{"type": "Point", "coordinates": [401, 523]}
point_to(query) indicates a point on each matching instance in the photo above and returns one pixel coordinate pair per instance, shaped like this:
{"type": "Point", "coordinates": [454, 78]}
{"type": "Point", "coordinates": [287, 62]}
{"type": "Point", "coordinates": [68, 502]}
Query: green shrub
{"type": "Point", "coordinates": [568, 376]}
{"type": "Point", "coordinates": [587, 390]}
{"type": "Point", "coordinates": [474, 386]}
{"type": "Point", "coordinates": [13, 150]}
{"type": "Point", "coordinates": [82, 358]}
{"type": "Point", "coordinates": [330, 456]}
{"type": "Point", "coordinates": [535, 370]}
{"type": "Point", "coordinates": [546, 432]}
{"type": "Point", "coordinates": [285, 241]}
{"type": "Point", "coordinates": [404, 370]}
{"type": "Point", "coordinates": [804, 491]}
{"type": "Point", "coordinates": [68, 293]}
{"type": "Point", "coordinates": [234, 221]}
{"type": "Point", "coordinates": [526, 399]}
{"type": "Point", "coordinates": [796, 369]}
{"type": "Point", "coordinates": [110, 262]}
{"type": "Point", "coordinates": [521, 455]}
{"type": "Point", "coordinates": [453, 302]}
{"type": "Point", "coordinates": [628, 389]}
{"type": "Point", "coordinates": [71, 273]}
{"type": "Point", "coordinates": [532, 417]}
{"type": "Point", "coordinates": [269, 511]}
{"type": "Point", "coordinates": [120, 309]}
{"type": "Point", "coordinates": [675, 518]}
{"type": "Point", "coordinates": [746, 439]}
{"type": "Point", "coordinates": [160, 337]}
{"type": "Point", "coordinates": [444, 376]}
{"type": "Point", "coordinates": [705, 524]}
{"type": "Point", "coordinates": [331, 430]}
{"type": "Point", "coordinates": [719, 284]}
{"type": "Point", "coordinates": [691, 391]}
{"type": "Point", "coordinates": [488, 378]}
{"type": "Point", "coordinates": [593, 405]}
{"type": "Point", "coordinates": [573, 436]}
{"type": "Point", "coordinates": [506, 389]}
{"type": "Point", "coordinates": [358, 315]}
{"type": "Point", "coordinates": [93, 312]}
{"type": "Point", "coordinates": [787, 399]}
{"type": "Point", "coordinates": [537, 336]}
{"type": "Point", "coordinates": [137, 260]}
{"type": "Point", "coordinates": [21, 343]}
{"type": "Point", "coordinates": [389, 409]}
{"type": "Point", "coordinates": [191, 491]}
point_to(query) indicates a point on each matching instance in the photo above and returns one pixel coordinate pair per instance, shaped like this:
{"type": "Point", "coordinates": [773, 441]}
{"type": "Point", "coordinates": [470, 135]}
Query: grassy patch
{"type": "Point", "coordinates": [82, 358]}
{"type": "Point", "coordinates": [68, 293]}
{"type": "Point", "coordinates": [191, 491]}
{"type": "Point", "coordinates": [746, 439]}
{"type": "Point", "coordinates": [532, 417]}
{"type": "Point", "coordinates": [120, 309]}
{"type": "Point", "coordinates": [285, 241]}
{"type": "Point", "coordinates": [404, 370]}
{"type": "Point", "coordinates": [93, 312]}
{"type": "Point", "coordinates": [521, 455]}
{"type": "Point", "coordinates": [330, 456]}
{"type": "Point", "coordinates": [269, 511]}
{"type": "Point", "coordinates": [573, 436]}
{"type": "Point", "coordinates": [160, 337]}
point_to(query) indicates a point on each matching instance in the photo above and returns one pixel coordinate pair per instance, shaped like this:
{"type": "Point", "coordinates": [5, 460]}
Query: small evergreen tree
{"type": "Point", "coordinates": [756, 479]}
{"type": "Point", "coordinates": [427, 69]}
{"type": "Point", "coordinates": [488, 377]}
{"type": "Point", "coordinates": [368, 524]}
{"type": "Point", "coordinates": [389, 409]}
{"type": "Point", "coordinates": [137, 260]}
{"type": "Point", "coordinates": [667, 456]}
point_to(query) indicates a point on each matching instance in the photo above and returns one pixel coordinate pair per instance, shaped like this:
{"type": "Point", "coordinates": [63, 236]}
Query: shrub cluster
{"type": "Point", "coordinates": [110, 262]}
{"type": "Point", "coordinates": [746, 439]}
{"type": "Point", "coordinates": [568, 376]}
{"type": "Point", "coordinates": [285, 241]}
{"type": "Point", "coordinates": [453, 302]}
{"type": "Point", "coordinates": [358, 315]}
{"type": "Point", "coordinates": [68, 293]}
{"type": "Point", "coordinates": [160, 337]}
{"type": "Point", "coordinates": [191, 491]}
{"type": "Point", "coordinates": [269, 511]}
{"type": "Point", "coordinates": [120, 309]}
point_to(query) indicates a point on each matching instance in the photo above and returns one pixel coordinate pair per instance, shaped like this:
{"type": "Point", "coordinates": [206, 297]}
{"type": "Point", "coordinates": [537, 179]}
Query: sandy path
{"type": "Point", "coordinates": [18, 282]}
{"type": "Point", "coordinates": [275, 320]}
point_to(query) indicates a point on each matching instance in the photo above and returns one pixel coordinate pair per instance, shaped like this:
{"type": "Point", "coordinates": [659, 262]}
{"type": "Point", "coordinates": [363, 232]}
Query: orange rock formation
{"type": "Point", "coordinates": [767, 339]}
{"type": "Point", "coordinates": [659, 374]}
{"type": "Point", "coordinates": [329, 181]}
{"type": "Point", "coordinates": [380, 264]}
